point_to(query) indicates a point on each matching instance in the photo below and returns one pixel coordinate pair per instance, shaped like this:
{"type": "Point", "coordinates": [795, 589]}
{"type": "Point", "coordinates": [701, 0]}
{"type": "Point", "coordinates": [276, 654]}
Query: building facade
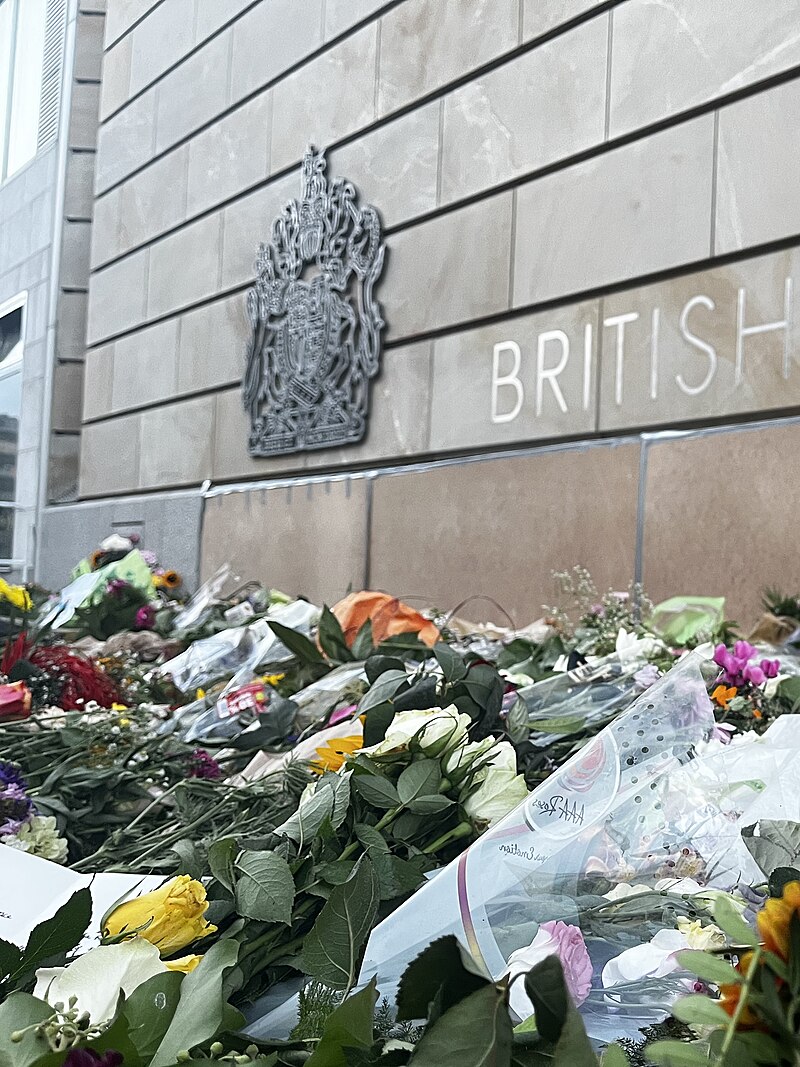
{"type": "Point", "coordinates": [592, 341]}
{"type": "Point", "coordinates": [50, 63]}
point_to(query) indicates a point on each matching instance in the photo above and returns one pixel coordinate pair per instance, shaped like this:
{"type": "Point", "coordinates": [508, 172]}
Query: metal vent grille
{"type": "Point", "coordinates": [51, 72]}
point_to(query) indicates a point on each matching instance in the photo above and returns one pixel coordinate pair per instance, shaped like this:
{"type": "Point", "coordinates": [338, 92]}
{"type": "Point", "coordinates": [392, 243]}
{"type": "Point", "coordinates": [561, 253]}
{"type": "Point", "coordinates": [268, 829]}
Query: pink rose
{"type": "Point", "coordinates": [552, 939]}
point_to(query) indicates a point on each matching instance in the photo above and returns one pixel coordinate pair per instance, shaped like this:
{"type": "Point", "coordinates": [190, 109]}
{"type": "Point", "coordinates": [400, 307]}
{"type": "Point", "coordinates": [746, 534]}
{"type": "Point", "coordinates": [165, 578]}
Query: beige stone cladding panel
{"type": "Point", "coordinates": [67, 393]}
{"type": "Point", "coordinates": [270, 39]}
{"type": "Point", "coordinates": [757, 169]}
{"type": "Point", "coordinates": [88, 46]}
{"type": "Point", "coordinates": [71, 325]}
{"type": "Point", "coordinates": [145, 366]}
{"type": "Point", "coordinates": [98, 382]}
{"type": "Point", "coordinates": [211, 14]}
{"type": "Point", "coordinates": [326, 99]}
{"type": "Point", "coordinates": [118, 297]}
{"type": "Point", "coordinates": [230, 156]}
{"type": "Point", "coordinates": [671, 55]}
{"type": "Point", "coordinates": [721, 516]}
{"type": "Point", "coordinates": [396, 166]}
{"type": "Point", "coordinates": [342, 15]}
{"type": "Point", "coordinates": [675, 352]}
{"type": "Point", "coordinates": [116, 77]}
{"type": "Point", "coordinates": [153, 200]}
{"type": "Point", "coordinates": [213, 344]}
{"type": "Point", "coordinates": [525, 379]}
{"type": "Point", "coordinates": [80, 183]}
{"type": "Point", "coordinates": [450, 269]}
{"type": "Point", "coordinates": [106, 243]}
{"type": "Point", "coordinates": [642, 208]}
{"type": "Point", "coordinates": [532, 111]}
{"type": "Point", "coordinates": [307, 540]}
{"type": "Point", "coordinates": [110, 456]}
{"type": "Point", "coordinates": [160, 40]}
{"type": "Point", "coordinates": [498, 528]}
{"type": "Point", "coordinates": [427, 43]}
{"type": "Point", "coordinates": [122, 14]}
{"type": "Point", "coordinates": [543, 16]}
{"type": "Point", "coordinates": [177, 444]}
{"type": "Point", "coordinates": [126, 141]}
{"type": "Point", "coordinates": [83, 115]}
{"type": "Point", "coordinates": [247, 223]}
{"type": "Point", "coordinates": [184, 267]}
{"type": "Point", "coordinates": [195, 92]}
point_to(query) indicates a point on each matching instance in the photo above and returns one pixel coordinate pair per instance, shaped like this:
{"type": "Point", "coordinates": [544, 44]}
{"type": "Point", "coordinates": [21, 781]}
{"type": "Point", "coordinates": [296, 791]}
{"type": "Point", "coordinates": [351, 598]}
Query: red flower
{"type": "Point", "coordinates": [15, 701]}
{"type": "Point", "coordinates": [82, 680]}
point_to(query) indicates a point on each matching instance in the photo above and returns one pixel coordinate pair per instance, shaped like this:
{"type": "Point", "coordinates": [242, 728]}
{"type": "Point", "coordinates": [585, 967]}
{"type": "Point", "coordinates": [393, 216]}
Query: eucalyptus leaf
{"type": "Point", "coordinates": [677, 1054]}
{"type": "Point", "coordinates": [615, 1056]}
{"type": "Point", "coordinates": [332, 949]}
{"type": "Point", "coordinates": [698, 1009]}
{"type": "Point", "coordinates": [18, 1012]}
{"type": "Point", "coordinates": [475, 1032]}
{"type": "Point", "coordinates": [265, 887]}
{"type": "Point", "coordinates": [710, 968]}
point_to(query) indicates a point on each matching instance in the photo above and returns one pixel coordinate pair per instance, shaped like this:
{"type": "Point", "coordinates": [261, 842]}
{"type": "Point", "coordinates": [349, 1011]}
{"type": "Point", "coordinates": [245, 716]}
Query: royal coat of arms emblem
{"type": "Point", "coordinates": [316, 326]}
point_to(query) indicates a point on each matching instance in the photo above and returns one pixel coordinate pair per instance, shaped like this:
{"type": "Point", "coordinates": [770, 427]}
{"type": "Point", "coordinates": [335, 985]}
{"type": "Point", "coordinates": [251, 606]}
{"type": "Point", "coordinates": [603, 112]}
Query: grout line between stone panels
{"type": "Point", "coordinates": [714, 179]}
{"type": "Point", "coordinates": [449, 329]}
{"type": "Point", "coordinates": [443, 90]}
{"type": "Point", "coordinates": [595, 151]}
{"type": "Point", "coordinates": [609, 52]}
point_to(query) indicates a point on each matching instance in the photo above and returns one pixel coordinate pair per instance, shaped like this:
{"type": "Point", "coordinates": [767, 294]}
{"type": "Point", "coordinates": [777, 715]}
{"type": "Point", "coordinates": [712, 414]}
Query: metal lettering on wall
{"type": "Point", "coordinates": [316, 324]}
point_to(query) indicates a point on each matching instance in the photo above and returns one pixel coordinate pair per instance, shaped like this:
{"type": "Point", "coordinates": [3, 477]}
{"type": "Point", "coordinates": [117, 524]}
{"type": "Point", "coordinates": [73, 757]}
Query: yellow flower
{"type": "Point", "coordinates": [200, 694]}
{"type": "Point", "coordinates": [171, 917]}
{"type": "Point", "coordinates": [699, 936]}
{"type": "Point", "coordinates": [16, 595]}
{"type": "Point", "coordinates": [186, 964]}
{"type": "Point", "coordinates": [119, 707]}
{"type": "Point", "coordinates": [775, 918]}
{"type": "Point", "coordinates": [332, 754]}
{"type": "Point", "coordinates": [273, 679]}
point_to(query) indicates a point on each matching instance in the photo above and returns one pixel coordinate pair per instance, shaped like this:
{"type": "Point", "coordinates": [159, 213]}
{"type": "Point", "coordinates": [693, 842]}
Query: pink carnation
{"type": "Point", "coordinates": [552, 939]}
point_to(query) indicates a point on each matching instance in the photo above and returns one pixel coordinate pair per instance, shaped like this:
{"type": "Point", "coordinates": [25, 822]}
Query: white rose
{"type": "Point", "coordinates": [631, 648]}
{"type": "Point", "coordinates": [625, 890]}
{"type": "Point", "coordinates": [436, 730]}
{"type": "Point", "coordinates": [462, 758]}
{"type": "Point", "coordinates": [699, 936]}
{"type": "Point", "coordinates": [500, 792]}
{"type": "Point", "coordinates": [96, 978]}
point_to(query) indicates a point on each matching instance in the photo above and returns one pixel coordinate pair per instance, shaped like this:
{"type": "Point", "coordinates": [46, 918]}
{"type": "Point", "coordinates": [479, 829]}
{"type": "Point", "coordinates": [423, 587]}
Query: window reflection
{"type": "Point", "coordinates": [27, 83]}
{"type": "Point", "coordinates": [10, 411]}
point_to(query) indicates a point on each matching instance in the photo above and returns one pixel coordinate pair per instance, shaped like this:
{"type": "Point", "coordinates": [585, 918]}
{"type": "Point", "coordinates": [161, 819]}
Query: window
{"type": "Point", "coordinates": [22, 45]}
{"type": "Point", "coordinates": [11, 334]}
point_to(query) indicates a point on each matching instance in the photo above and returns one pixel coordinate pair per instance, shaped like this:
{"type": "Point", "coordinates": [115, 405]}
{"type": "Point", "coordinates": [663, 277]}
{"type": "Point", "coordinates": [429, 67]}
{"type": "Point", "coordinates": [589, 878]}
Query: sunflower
{"type": "Point", "coordinates": [331, 755]}
{"type": "Point", "coordinates": [16, 595]}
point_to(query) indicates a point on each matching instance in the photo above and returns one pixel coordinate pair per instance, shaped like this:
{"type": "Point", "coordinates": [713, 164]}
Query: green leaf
{"type": "Point", "coordinates": [332, 639]}
{"type": "Point", "coordinates": [677, 1054]}
{"type": "Point", "coordinates": [377, 665]}
{"type": "Point", "coordinates": [377, 791]}
{"type": "Point", "coordinates": [794, 953]}
{"type": "Point", "coordinates": [547, 990]}
{"type": "Point", "coordinates": [298, 644]}
{"type": "Point", "coordinates": [59, 934]}
{"type": "Point", "coordinates": [149, 1011]}
{"type": "Point", "coordinates": [265, 889]}
{"type": "Point", "coordinates": [615, 1056]}
{"type": "Point", "coordinates": [221, 859]}
{"type": "Point", "coordinates": [780, 878]}
{"type": "Point", "coordinates": [348, 1027]}
{"type": "Point", "coordinates": [332, 948]}
{"type": "Point", "coordinates": [728, 919]}
{"type": "Point", "coordinates": [445, 969]}
{"type": "Point", "coordinates": [453, 667]}
{"type": "Point", "coordinates": [202, 1006]}
{"type": "Point", "coordinates": [777, 844]}
{"type": "Point", "coordinates": [420, 779]}
{"type": "Point", "coordinates": [19, 1012]}
{"type": "Point", "coordinates": [362, 644]}
{"type": "Point", "coordinates": [518, 721]}
{"type": "Point", "coordinates": [430, 805]}
{"type": "Point", "coordinates": [10, 958]}
{"type": "Point", "coordinates": [574, 1047]}
{"type": "Point", "coordinates": [376, 722]}
{"type": "Point", "coordinates": [700, 1009]}
{"type": "Point", "coordinates": [710, 968]}
{"type": "Point", "coordinates": [475, 1032]}
{"type": "Point", "coordinates": [386, 687]}
{"type": "Point", "coordinates": [191, 860]}
{"type": "Point", "coordinates": [306, 822]}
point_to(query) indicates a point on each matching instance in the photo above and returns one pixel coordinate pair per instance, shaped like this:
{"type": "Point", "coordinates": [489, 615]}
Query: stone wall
{"type": "Point", "coordinates": [591, 212]}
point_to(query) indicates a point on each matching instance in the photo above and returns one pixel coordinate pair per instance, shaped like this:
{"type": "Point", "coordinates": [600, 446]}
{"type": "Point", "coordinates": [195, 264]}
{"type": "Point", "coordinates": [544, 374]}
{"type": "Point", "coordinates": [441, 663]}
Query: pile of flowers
{"type": "Point", "coordinates": [21, 826]}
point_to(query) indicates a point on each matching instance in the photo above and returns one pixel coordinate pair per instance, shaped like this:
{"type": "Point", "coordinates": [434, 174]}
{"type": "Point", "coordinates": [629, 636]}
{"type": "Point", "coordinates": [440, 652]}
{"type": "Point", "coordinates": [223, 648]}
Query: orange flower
{"type": "Point", "coordinates": [167, 580]}
{"type": "Point", "coordinates": [730, 995]}
{"type": "Point", "coordinates": [775, 917]}
{"type": "Point", "coordinates": [388, 615]}
{"type": "Point", "coordinates": [333, 753]}
{"type": "Point", "coordinates": [721, 695]}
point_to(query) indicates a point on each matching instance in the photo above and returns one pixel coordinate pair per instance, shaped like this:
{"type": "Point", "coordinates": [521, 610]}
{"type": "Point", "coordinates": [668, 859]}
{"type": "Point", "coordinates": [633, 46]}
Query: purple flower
{"type": "Point", "coordinates": [754, 674]}
{"type": "Point", "coordinates": [145, 617]}
{"type": "Point", "coordinates": [150, 558]}
{"type": "Point", "coordinates": [10, 775]}
{"type": "Point", "coordinates": [201, 765]}
{"type": "Point", "coordinates": [771, 667]}
{"type": "Point", "coordinates": [647, 676]}
{"type": "Point", "coordinates": [553, 939]}
{"type": "Point", "coordinates": [720, 655]}
{"type": "Point", "coordinates": [744, 650]}
{"type": "Point", "coordinates": [722, 732]}
{"type": "Point", "coordinates": [116, 587]}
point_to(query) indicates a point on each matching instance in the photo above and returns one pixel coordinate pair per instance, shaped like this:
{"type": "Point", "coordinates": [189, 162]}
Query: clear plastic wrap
{"type": "Point", "coordinates": [649, 798]}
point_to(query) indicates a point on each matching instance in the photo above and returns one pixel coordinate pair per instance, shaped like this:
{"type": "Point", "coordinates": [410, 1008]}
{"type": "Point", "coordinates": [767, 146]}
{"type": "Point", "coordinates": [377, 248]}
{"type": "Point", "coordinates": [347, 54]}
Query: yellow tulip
{"type": "Point", "coordinates": [186, 964]}
{"type": "Point", "coordinates": [171, 917]}
{"type": "Point", "coordinates": [16, 595]}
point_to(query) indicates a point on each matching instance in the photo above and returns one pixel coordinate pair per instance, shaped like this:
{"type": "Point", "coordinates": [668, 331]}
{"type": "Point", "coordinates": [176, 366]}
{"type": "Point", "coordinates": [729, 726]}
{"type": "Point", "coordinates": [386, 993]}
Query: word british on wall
{"type": "Point", "coordinates": [721, 343]}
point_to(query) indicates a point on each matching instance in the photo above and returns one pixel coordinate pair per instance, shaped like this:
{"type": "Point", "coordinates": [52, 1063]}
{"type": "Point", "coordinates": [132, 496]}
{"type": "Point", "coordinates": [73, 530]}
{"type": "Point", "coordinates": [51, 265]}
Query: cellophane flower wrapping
{"type": "Point", "coordinates": [648, 799]}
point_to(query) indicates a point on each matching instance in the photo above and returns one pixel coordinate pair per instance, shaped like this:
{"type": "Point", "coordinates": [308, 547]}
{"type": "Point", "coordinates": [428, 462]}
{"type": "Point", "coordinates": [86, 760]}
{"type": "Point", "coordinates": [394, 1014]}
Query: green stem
{"type": "Point", "coordinates": [740, 1007]}
{"type": "Point", "coordinates": [464, 829]}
